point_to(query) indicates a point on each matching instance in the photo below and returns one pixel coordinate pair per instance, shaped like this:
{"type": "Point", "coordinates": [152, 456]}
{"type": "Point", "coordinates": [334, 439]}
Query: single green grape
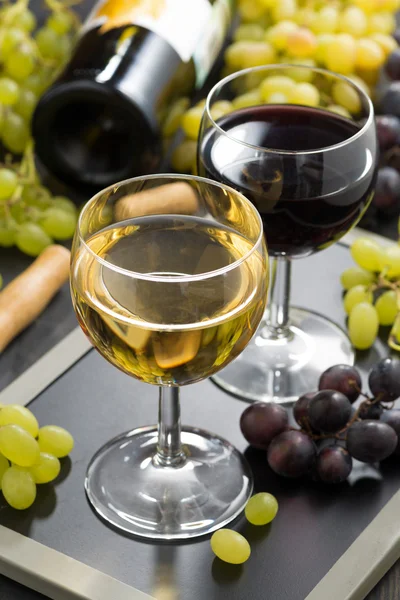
{"type": "Point", "coordinates": [26, 104]}
{"type": "Point", "coordinates": [386, 307]}
{"type": "Point", "coordinates": [191, 122]}
{"type": "Point", "coordinates": [8, 183]}
{"type": "Point", "coordinates": [9, 91]}
{"type": "Point", "coordinates": [64, 204]}
{"type": "Point", "coordinates": [363, 325]}
{"type": "Point", "coordinates": [19, 488]}
{"type": "Point", "coordinates": [391, 260]}
{"type": "Point", "coordinates": [4, 465]}
{"type": "Point", "coordinates": [31, 239]}
{"type": "Point", "coordinates": [356, 276]}
{"type": "Point", "coordinates": [247, 99]}
{"type": "Point", "coordinates": [55, 440]}
{"type": "Point", "coordinates": [48, 43]}
{"type": "Point", "coordinates": [367, 253]}
{"type": "Point", "coordinates": [59, 224]}
{"type": "Point", "coordinates": [26, 21]}
{"type": "Point", "coordinates": [15, 133]}
{"type": "Point", "coordinates": [46, 469]}
{"type": "Point", "coordinates": [13, 414]}
{"type": "Point", "coordinates": [355, 295]}
{"type": "Point", "coordinates": [183, 158]}
{"type": "Point", "coordinates": [8, 232]}
{"type": "Point", "coordinates": [306, 94]}
{"type": "Point", "coordinates": [346, 95]}
{"type": "Point", "coordinates": [251, 32]}
{"type": "Point", "coordinates": [20, 63]}
{"type": "Point", "coordinates": [36, 195]}
{"type": "Point", "coordinates": [261, 509]}
{"type": "Point", "coordinates": [60, 22]}
{"type": "Point", "coordinates": [19, 446]}
{"type": "Point", "coordinates": [230, 546]}
{"type": "Point", "coordinates": [35, 83]}
{"type": "Point", "coordinates": [10, 39]}
{"type": "Point", "coordinates": [276, 84]}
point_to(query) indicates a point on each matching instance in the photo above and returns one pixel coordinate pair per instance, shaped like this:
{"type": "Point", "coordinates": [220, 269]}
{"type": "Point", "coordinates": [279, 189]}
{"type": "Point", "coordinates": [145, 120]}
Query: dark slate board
{"type": "Point", "coordinates": [315, 524]}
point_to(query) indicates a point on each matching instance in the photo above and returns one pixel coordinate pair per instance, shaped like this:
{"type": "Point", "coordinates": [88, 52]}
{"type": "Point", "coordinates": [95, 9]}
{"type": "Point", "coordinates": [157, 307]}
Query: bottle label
{"type": "Point", "coordinates": [212, 39]}
{"type": "Point", "coordinates": [180, 22]}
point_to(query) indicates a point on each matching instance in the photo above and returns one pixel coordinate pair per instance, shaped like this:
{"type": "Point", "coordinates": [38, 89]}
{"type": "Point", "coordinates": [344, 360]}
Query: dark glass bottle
{"type": "Point", "coordinates": [100, 122]}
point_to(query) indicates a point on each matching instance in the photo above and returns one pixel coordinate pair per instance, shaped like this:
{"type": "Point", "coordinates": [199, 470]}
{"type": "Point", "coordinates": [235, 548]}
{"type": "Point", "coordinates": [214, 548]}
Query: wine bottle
{"type": "Point", "coordinates": [100, 122]}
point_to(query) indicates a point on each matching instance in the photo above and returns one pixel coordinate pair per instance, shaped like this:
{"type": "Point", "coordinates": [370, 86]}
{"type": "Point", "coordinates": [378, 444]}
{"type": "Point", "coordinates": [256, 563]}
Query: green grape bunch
{"type": "Point", "coordinates": [31, 57]}
{"type": "Point", "coordinates": [372, 292]}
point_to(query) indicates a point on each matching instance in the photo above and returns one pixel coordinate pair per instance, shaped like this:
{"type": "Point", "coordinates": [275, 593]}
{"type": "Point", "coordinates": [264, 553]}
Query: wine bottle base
{"type": "Point", "coordinates": [127, 488]}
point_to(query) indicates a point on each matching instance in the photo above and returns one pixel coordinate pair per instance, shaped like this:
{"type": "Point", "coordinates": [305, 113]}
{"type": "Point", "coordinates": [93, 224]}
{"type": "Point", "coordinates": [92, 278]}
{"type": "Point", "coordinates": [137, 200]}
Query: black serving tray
{"type": "Point", "coordinates": [335, 540]}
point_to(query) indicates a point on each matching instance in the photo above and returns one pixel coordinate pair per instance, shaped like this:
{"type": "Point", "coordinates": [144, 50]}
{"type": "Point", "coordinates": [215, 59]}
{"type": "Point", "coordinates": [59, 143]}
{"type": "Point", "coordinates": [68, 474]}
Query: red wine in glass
{"type": "Point", "coordinates": [295, 164]}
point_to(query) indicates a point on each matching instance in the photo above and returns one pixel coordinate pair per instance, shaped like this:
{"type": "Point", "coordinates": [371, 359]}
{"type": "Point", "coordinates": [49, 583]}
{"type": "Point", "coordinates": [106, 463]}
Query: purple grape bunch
{"type": "Point", "coordinates": [331, 430]}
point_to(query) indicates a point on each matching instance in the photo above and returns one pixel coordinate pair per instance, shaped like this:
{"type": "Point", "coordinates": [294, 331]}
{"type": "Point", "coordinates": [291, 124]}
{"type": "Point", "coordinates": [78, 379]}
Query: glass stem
{"type": "Point", "coordinates": [169, 447]}
{"type": "Point", "coordinates": [279, 298]}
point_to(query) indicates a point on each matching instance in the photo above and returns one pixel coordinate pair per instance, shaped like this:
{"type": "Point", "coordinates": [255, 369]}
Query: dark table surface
{"type": "Point", "coordinates": [55, 322]}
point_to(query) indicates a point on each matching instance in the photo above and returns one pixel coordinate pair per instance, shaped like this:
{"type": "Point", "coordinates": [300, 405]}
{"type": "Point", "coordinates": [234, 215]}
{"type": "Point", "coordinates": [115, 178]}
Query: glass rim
{"type": "Point", "coordinates": [163, 278]}
{"type": "Point", "coordinates": [332, 74]}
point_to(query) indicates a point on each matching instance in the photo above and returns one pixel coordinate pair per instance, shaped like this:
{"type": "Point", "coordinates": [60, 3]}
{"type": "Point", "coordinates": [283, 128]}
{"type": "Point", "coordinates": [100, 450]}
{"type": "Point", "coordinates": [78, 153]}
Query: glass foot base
{"type": "Point", "coordinates": [129, 490]}
{"type": "Point", "coordinates": [281, 370]}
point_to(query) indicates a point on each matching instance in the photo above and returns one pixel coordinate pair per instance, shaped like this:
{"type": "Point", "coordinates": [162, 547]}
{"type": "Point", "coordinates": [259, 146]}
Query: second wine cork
{"type": "Point", "coordinates": [177, 198]}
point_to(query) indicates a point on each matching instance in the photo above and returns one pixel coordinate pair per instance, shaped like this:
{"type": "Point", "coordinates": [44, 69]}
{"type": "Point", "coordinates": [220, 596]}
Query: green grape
{"type": "Point", "coordinates": [230, 546]}
{"type": "Point", "coordinates": [13, 414]}
{"type": "Point", "coordinates": [298, 73]}
{"type": "Point", "coordinates": [386, 42]}
{"type": "Point", "coordinates": [173, 119]}
{"type": "Point", "coordinates": [47, 41]}
{"type": "Point", "coordinates": [19, 488]}
{"type": "Point", "coordinates": [305, 94]}
{"type": "Point", "coordinates": [261, 509]}
{"type": "Point", "coordinates": [247, 99]}
{"type": "Point", "coordinates": [1, 281]}
{"type": "Point", "coordinates": [35, 83]}
{"type": "Point", "coordinates": [341, 54]}
{"type": "Point", "coordinates": [382, 22]}
{"type": "Point", "coordinates": [9, 91]}
{"type": "Point", "coordinates": [367, 6]}
{"type": "Point", "coordinates": [346, 95]}
{"type": "Point", "coordinates": [19, 446]}
{"type": "Point", "coordinates": [363, 325]}
{"type": "Point", "coordinates": [391, 261]}
{"type": "Point", "coordinates": [61, 22]}
{"type": "Point", "coordinates": [250, 11]}
{"type": "Point", "coordinates": [324, 40]}
{"type": "Point", "coordinates": [37, 196]}
{"type": "Point", "coordinates": [64, 204]}
{"type": "Point", "coordinates": [7, 233]}
{"type": "Point", "coordinates": [278, 35]}
{"type": "Point", "coordinates": [356, 276]}
{"type": "Point", "coordinates": [356, 295]}
{"type": "Point", "coordinates": [26, 21]}
{"type": "Point", "coordinates": [339, 110]}
{"type": "Point", "coordinates": [20, 63]}
{"type": "Point", "coordinates": [367, 254]}
{"type": "Point", "coordinates": [10, 39]}
{"type": "Point", "coordinates": [55, 440]}
{"type": "Point", "coordinates": [386, 307]}
{"type": "Point", "coordinates": [58, 223]}
{"type": "Point", "coordinates": [26, 104]}
{"type": "Point", "coordinates": [191, 122]}
{"type": "Point", "coordinates": [184, 156]}
{"type": "Point", "coordinates": [283, 10]}
{"type": "Point", "coordinates": [250, 32]}
{"type": "Point", "coordinates": [242, 55]}
{"type": "Point", "coordinates": [302, 43]}
{"type": "Point", "coordinates": [220, 108]}
{"type": "Point", "coordinates": [63, 49]}
{"type": "Point", "coordinates": [31, 239]}
{"type": "Point", "coordinates": [276, 84]}
{"type": "Point", "coordinates": [354, 21]}
{"type": "Point", "coordinates": [17, 210]}
{"type": "Point", "coordinates": [15, 133]}
{"type": "Point", "coordinates": [326, 20]}
{"type": "Point", "coordinates": [8, 183]}
{"type": "Point", "coordinates": [369, 55]}
{"type": "Point", "coordinates": [277, 98]}
{"type": "Point", "coordinates": [46, 469]}
{"type": "Point", "coordinates": [4, 465]}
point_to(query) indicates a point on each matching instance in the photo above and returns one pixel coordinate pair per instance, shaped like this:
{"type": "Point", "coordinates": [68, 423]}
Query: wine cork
{"type": "Point", "coordinates": [28, 294]}
{"type": "Point", "coordinates": [178, 198]}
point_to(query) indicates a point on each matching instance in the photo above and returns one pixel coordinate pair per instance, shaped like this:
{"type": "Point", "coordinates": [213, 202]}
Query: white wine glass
{"type": "Point", "coordinates": [169, 281]}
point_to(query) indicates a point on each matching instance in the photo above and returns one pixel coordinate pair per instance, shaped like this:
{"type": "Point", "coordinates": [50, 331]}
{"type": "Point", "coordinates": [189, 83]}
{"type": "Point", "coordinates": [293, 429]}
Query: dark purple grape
{"type": "Point", "coordinates": [329, 411]}
{"type": "Point", "coordinates": [384, 379]}
{"type": "Point", "coordinates": [392, 66]}
{"type": "Point", "coordinates": [261, 422]}
{"type": "Point", "coordinates": [390, 100]}
{"type": "Point", "coordinates": [300, 409]}
{"type": "Point", "coordinates": [392, 418]}
{"type": "Point", "coordinates": [387, 191]}
{"type": "Point", "coordinates": [388, 131]}
{"type": "Point", "coordinates": [371, 441]}
{"type": "Point", "coordinates": [342, 378]}
{"type": "Point", "coordinates": [291, 454]}
{"type": "Point", "coordinates": [396, 35]}
{"type": "Point", "coordinates": [333, 464]}
{"type": "Point", "coordinates": [370, 411]}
